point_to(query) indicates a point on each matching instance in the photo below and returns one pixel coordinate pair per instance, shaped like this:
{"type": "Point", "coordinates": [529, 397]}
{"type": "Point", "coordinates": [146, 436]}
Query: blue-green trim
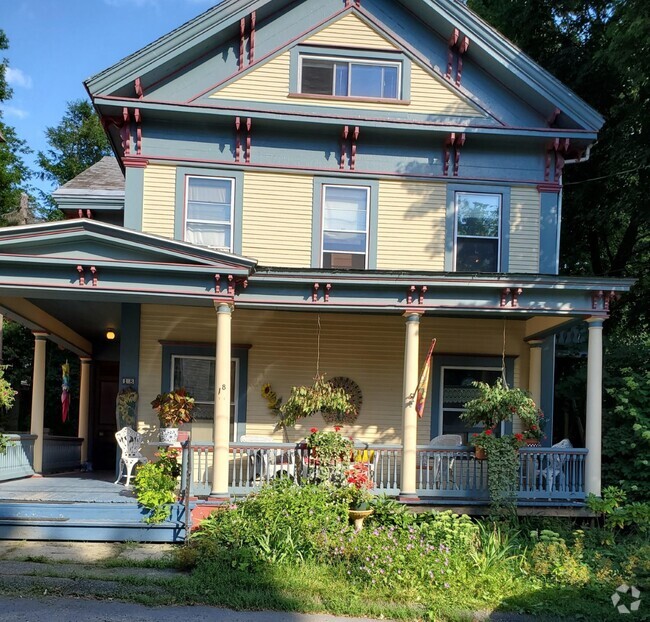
{"type": "Point", "coordinates": [547, 399]}
{"type": "Point", "coordinates": [549, 252]}
{"type": "Point", "coordinates": [133, 193]}
{"type": "Point", "coordinates": [129, 333]}
{"type": "Point", "coordinates": [450, 221]}
{"type": "Point", "coordinates": [208, 350]}
{"type": "Point", "coordinates": [351, 53]}
{"type": "Point", "coordinates": [182, 172]}
{"type": "Point", "coordinates": [317, 216]}
{"type": "Point", "coordinates": [463, 360]}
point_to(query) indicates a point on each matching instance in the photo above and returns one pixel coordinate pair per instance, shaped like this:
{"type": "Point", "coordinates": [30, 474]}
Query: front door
{"type": "Point", "coordinates": [103, 454]}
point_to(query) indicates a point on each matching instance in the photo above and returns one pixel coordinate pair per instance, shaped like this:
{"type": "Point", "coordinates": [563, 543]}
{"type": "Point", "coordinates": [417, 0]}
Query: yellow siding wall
{"type": "Point", "coordinates": [367, 348]}
{"type": "Point", "coordinates": [351, 32]}
{"type": "Point", "coordinates": [524, 230]}
{"type": "Point", "coordinates": [277, 219]}
{"type": "Point", "coordinates": [270, 81]}
{"type": "Point", "coordinates": [158, 200]}
{"type": "Point", "coordinates": [411, 225]}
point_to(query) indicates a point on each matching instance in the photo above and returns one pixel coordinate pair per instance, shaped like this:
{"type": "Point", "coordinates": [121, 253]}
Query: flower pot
{"type": "Point", "coordinates": [168, 435]}
{"type": "Point", "coordinates": [480, 453]}
{"type": "Point", "coordinates": [358, 516]}
{"type": "Point", "coordinates": [532, 442]}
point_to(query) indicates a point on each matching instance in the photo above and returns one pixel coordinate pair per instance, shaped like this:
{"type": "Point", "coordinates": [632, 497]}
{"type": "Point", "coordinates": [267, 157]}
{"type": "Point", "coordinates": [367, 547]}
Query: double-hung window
{"type": "Point", "coordinates": [196, 374]}
{"type": "Point", "coordinates": [478, 232]}
{"type": "Point", "coordinates": [345, 227]}
{"type": "Point", "coordinates": [346, 77]}
{"type": "Point", "coordinates": [209, 212]}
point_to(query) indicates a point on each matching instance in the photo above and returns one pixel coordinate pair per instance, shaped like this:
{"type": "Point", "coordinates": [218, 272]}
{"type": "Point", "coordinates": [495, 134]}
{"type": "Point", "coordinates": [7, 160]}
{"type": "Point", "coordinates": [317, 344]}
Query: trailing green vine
{"type": "Point", "coordinates": [503, 472]}
{"type": "Point", "coordinates": [155, 485]}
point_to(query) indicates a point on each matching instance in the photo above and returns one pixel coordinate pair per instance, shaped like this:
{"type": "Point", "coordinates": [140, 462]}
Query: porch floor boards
{"type": "Point", "coordinates": [94, 487]}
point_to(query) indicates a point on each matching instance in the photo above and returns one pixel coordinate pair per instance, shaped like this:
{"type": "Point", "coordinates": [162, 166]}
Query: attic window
{"type": "Point", "coordinates": [349, 77]}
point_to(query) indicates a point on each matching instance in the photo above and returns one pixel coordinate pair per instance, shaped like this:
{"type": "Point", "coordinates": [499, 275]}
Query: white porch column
{"type": "Point", "coordinates": [409, 414]}
{"type": "Point", "coordinates": [84, 403]}
{"type": "Point", "coordinates": [535, 370]}
{"type": "Point", "coordinates": [222, 390]}
{"type": "Point", "coordinates": [594, 406]}
{"type": "Point", "coordinates": [38, 398]}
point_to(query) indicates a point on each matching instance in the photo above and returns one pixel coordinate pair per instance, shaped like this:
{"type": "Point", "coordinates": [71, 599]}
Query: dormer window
{"type": "Point", "coordinates": [349, 77]}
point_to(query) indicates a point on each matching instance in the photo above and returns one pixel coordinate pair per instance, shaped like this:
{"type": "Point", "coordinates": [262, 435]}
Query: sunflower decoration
{"type": "Point", "coordinates": [272, 399]}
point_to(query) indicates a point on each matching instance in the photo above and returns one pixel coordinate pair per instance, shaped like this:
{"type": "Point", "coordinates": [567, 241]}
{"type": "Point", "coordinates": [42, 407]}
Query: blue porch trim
{"type": "Point", "coordinates": [548, 387]}
{"type": "Point", "coordinates": [133, 194]}
{"type": "Point", "coordinates": [468, 361]}
{"type": "Point", "coordinates": [549, 232]}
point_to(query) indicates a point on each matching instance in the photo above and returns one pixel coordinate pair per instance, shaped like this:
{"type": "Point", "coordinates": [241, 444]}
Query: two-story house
{"type": "Point", "coordinates": [317, 182]}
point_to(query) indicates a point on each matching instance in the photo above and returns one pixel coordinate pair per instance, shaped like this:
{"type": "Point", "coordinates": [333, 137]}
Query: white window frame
{"type": "Point", "coordinates": [368, 190]}
{"type": "Point", "coordinates": [234, 391]}
{"type": "Point", "coordinates": [478, 237]}
{"type": "Point", "coordinates": [350, 60]}
{"type": "Point", "coordinates": [442, 410]}
{"type": "Point", "coordinates": [211, 222]}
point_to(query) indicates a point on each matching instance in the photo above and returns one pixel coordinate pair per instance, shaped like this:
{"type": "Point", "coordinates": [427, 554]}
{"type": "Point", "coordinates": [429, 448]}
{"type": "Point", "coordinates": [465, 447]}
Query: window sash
{"type": "Point", "coordinates": [209, 225]}
{"type": "Point", "coordinates": [460, 235]}
{"type": "Point", "coordinates": [325, 248]}
{"type": "Point", "coordinates": [234, 394]}
{"type": "Point", "coordinates": [346, 73]}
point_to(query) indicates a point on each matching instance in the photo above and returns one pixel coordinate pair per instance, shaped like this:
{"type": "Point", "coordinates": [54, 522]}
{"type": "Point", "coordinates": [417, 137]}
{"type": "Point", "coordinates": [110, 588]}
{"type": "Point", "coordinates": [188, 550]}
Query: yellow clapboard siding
{"type": "Point", "coordinates": [270, 82]}
{"type": "Point", "coordinates": [524, 230]}
{"type": "Point", "coordinates": [350, 32]}
{"type": "Point", "coordinates": [411, 225]}
{"type": "Point", "coordinates": [158, 200]}
{"type": "Point", "coordinates": [277, 218]}
{"type": "Point", "coordinates": [367, 348]}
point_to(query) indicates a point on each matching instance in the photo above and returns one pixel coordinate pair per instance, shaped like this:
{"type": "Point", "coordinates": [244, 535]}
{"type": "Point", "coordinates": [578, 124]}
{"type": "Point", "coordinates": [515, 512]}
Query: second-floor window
{"type": "Point", "coordinates": [345, 77]}
{"type": "Point", "coordinates": [209, 212]}
{"type": "Point", "coordinates": [478, 232]}
{"type": "Point", "coordinates": [345, 227]}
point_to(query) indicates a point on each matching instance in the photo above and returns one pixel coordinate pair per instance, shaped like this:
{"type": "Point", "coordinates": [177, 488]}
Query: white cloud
{"type": "Point", "coordinates": [12, 111]}
{"type": "Point", "coordinates": [16, 77]}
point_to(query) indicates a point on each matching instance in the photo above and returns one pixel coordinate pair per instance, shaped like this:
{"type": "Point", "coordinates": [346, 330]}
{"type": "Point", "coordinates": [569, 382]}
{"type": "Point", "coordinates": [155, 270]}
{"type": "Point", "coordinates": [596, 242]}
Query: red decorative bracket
{"type": "Point", "coordinates": [249, 125]}
{"type": "Point", "coordinates": [231, 285]}
{"type": "Point", "coordinates": [314, 296]}
{"type": "Point", "coordinates": [353, 157]}
{"type": "Point", "coordinates": [423, 290]}
{"type": "Point", "coordinates": [328, 289]}
{"type": "Point", "coordinates": [456, 141]}
{"type": "Point", "coordinates": [409, 295]}
{"type": "Point", "coordinates": [238, 139]}
{"type": "Point", "coordinates": [125, 132]}
{"type": "Point", "coordinates": [462, 49]}
{"type": "Point", "coordinates": [553, 118]}
{"type": "Point", "coordinates": [515, 296]}
{"type": "Point", "coordinates": [505, 295]}
{"type": "Point", "coordinates": [344, 137]}
{"type": "Point", "coordinates": [610, 298]}
{"type": "Point", "coordinates": [82, 278]}
{"type": "Point", "coordinates": [596, 297]}
{"type": "Point", "coordinates": [251, 40]}
{"type": "Point", "coordinates": [139, 91]}
{"type": "Point", "coordinates": [242, 42]}
{"type": "Point", "coordinates": [93, 271]}
{"type": "Point", "coordinates": [80, 213]}
{"type": "Point", "coordinates": [559, 147]}
{"type": "Point", "coordinates": [217, 287]}
{"type": "Point", "coordinates": [453, 40]}
{"type": "Point", "coordinates": [89, 214]}
{"type": "Point", "coordinates": [460, 142]}
{"type": "Point", "coordinates": [138, 120]}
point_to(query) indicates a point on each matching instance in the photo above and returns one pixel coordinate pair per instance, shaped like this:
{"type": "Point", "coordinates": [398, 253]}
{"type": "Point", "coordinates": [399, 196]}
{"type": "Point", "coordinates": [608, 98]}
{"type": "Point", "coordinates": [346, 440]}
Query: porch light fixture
{"type": "Point", "coordinates": [110, 334]}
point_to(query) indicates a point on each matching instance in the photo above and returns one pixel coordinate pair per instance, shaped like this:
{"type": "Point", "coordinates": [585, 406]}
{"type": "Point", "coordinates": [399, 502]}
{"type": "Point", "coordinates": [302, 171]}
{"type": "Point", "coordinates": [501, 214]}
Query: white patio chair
{"type": "Point", "coordinates": [266, 464]}
{"type": "Point", "coordinates": [130, 442]}
{"type": "Point", "coordinates": [554, 470]}
{"type": "Point", "coordinates": [444, 460]}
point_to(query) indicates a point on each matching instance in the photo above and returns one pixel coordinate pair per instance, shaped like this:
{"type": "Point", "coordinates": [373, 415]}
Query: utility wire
{"type": "Point", "coordinates": [630, 170]}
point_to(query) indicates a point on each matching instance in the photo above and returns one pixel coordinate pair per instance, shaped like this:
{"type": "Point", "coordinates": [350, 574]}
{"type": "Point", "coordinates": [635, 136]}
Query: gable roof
{"type": "Point", "coordinates": [103, 175]}
{"type": "Point", "coordinates": [493, 52]}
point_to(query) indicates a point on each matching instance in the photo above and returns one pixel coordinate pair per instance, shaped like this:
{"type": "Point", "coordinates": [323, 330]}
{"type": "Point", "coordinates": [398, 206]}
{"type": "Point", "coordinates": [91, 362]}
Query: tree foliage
{"type": "Point", "coordinates": [14, 173]}
{"type": "Point", "coordinates": [74, 145]}
{"type": "Point", "coordinates": [599, 48]}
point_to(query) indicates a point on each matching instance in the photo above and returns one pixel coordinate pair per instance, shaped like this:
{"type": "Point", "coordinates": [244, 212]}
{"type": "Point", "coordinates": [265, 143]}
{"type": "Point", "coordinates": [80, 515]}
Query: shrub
{"type": "Point", "coordinates": [155, 485]}
{"type": "Point", "coordinates": [551, 559]}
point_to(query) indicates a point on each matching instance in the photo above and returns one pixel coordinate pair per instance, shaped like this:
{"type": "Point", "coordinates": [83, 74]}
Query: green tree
{"type": "Point", "coordinates": [14, 174]}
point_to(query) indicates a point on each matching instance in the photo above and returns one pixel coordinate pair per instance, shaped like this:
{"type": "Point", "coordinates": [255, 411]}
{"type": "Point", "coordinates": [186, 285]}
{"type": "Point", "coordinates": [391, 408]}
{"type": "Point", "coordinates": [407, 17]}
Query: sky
{"type": "Point", "coordinates": [54, 45]}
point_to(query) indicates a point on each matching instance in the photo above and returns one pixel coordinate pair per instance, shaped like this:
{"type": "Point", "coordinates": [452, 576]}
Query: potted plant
{"type": "Point", "coordinates": [307, 400]}
{"type": "Point", "coordinates": [359, 486]}
{"type": "Point", "coordinates": [480, 442]}
{"type": "Point", "coordinates": [533, 427]}
{"type": "Point", "coordinates": [330, 453]}
{"type": "Point", "coordinates": [173, 409]}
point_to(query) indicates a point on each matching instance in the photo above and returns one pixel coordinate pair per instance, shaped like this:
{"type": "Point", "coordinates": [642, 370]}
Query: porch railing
{"type": "Point", "coordinates": [61, 453]}
{"type": "Point", "coordinates": [18, 459]}
{"type": "Point", "coordinates": [445, 474]}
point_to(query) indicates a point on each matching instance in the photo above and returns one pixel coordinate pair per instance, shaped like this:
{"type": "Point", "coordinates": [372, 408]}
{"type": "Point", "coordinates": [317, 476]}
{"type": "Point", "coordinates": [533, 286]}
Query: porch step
{"type": "Point", "coordinates": [87, 522]}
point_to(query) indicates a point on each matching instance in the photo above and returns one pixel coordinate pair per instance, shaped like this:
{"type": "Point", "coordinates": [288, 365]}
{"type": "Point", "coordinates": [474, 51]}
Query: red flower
{"type": "Point", "coordinates": [519, 437]}
{"type": "Point", "coordinates": [475, 434]}
{"type": "Point", "coordinates": [337, 428]}
{"type": "Point", "coordinates": [488, 432]}
{"type": "Point", "coordinates": [533, 428]}
{"type": "Point", "coordinates": [314, 430]}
